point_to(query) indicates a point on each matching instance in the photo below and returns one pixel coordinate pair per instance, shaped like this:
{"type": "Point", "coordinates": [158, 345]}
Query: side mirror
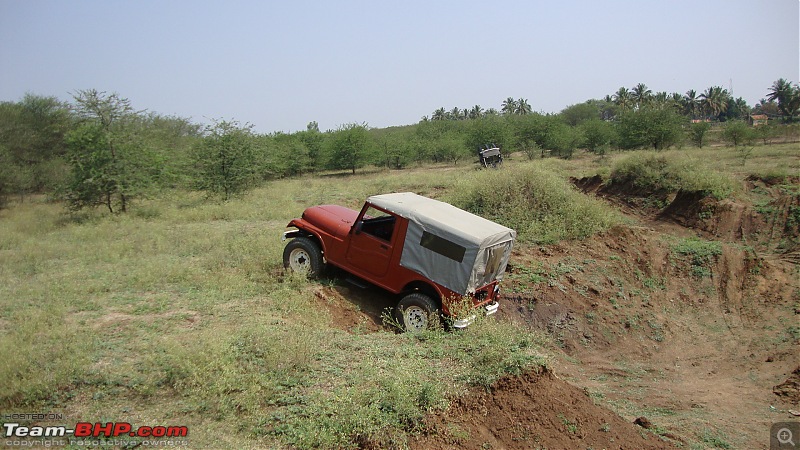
{"type": "Point", "coordinates": [357, 226]}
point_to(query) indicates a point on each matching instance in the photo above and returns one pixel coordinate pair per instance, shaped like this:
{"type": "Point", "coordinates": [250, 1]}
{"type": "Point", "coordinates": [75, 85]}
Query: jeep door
{"type": "Point", "coordinates": [371, 241]}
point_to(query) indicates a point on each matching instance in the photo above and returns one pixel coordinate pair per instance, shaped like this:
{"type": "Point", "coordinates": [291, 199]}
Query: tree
{"type": "Point", "coordinates": [110, 164]}
{"type": "Point", "coordinates": [33, 132]}
{"type": "Point", "coordinates": [641, 95]}
{"type": "Point", "coordinates": [394, 148]}
{"type": "Point", "coordinates": [738, 132]}
{"type": "Point", "coordinates": [597, 135]}
{"type": "Point", "coordinates": [577, 114]}
{"type": "Point", "coordinates": [691, 104]}
{"type": "Point", "coordinates": [455, 113]}
{"type": "Point", "coordinates": [788, 97]}
{"type": "Point", "coordinates": [622, 98]}
{"type": "Point", "coordinates": [490, 130]}
{"type": "Point", "coordinates": [737, 109]}
{"type": "Point", "coordinates": [509, 106]}
{"type": "Point", "coordinates": [225, 160]}
{"type": "Point", "coordinates": [697, 133]}
{"type": "Point", "coordinates": [8, 176]}
{"type": "Point", "coordinates": [348, 147]}
{"type": "Point", "coordinates": [313, 140]}
{"type": "Point", "coordinates": [768, 107]}
{"type": "Point", "coordinates": [451, 147]}
{"type": "Point", "coordinates": [650, 127]}
{"type": "Point", "coordinates": [523, 107]}
{"type": "Point", "coordinates": [476, 112]}
{"type": "Point", "coordinates": [714, 101]}
{"type": "Point", "coordinates": [291, 156]}
{"type": "Point", "coordinates": [546, 132]}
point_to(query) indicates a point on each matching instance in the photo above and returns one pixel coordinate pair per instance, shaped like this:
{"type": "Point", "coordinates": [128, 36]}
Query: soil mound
{"type": "Point", "coordinates": [534, 410]}
{"type": "Point", "coordinates": [789, 390]}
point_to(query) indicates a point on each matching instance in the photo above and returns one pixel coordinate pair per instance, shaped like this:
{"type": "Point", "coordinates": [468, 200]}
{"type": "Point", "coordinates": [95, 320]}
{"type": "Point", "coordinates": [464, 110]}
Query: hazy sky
{"type": "Point", "coordinates": [282, 64]}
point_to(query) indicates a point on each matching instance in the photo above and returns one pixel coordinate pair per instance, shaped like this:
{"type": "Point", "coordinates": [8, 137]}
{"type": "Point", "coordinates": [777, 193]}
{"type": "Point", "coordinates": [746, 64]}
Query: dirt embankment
{"type": "Point", "coordinates": [769, 220]}
{"type": "Point", "coordinates": [534, 410]}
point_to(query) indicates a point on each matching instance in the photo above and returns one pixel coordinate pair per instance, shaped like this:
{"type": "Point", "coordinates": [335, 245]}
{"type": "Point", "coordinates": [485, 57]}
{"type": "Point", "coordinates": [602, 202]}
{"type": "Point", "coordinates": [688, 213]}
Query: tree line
{"type": "Point", "coordinates": [98, 151]}
{"type": "Point", "coordinates": [715, 103]}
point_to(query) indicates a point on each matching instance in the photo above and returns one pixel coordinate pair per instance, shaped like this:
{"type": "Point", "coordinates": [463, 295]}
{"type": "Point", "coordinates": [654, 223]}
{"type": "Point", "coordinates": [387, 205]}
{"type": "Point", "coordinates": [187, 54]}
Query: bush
{"type": "Point", "coordinates": [737, 133]}
{"type": "Point", "coordinates": [225, 159]}
{"type": "Point", "coordinates": [697, 133]}
{"type": "Point", "coordinates": [654, 172]}
{"type": "Point", "coordinates": [542, 206]}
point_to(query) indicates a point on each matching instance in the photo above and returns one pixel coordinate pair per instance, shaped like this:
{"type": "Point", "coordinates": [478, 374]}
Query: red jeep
{"type": "Point", "coordinates": [427, 251]}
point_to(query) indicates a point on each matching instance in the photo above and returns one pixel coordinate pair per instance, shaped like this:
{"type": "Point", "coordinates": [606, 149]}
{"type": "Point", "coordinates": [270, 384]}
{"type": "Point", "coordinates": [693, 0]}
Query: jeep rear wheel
{"type": "Point", "coordinates": [417, 312]}
{"type": "Point", "coordinates": [304, 256]}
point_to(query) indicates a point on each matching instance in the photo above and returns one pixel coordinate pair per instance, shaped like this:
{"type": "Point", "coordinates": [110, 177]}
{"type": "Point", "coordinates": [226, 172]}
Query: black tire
{"type": "Point", "coordinates": [417, 312]}
{"type": "Point", "coordinates": [303, 255]}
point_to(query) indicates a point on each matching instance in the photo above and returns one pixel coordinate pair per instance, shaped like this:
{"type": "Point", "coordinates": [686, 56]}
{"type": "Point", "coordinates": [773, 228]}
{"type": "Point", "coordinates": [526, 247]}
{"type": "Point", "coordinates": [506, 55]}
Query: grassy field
{"type": "Point", "coordinates": [180, 312]}
{"type": "Point", "coordinates": [180, 309]}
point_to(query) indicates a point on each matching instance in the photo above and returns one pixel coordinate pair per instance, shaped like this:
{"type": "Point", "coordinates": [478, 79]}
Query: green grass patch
{"type": "Point", "coordinates": [183, 309]}
{"type": "Point", "coordinates": [700, 254]}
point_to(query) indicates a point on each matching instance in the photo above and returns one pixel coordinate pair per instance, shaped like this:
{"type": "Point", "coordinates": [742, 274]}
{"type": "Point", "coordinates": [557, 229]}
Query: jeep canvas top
{"type": "Point", "coordinates": [453, 247]}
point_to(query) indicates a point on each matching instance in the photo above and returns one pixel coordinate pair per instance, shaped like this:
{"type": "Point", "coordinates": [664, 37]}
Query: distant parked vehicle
{"type": "Point", "coordinates": [490, 156]}
{"type": "Point", "coordinates": [428, 252]}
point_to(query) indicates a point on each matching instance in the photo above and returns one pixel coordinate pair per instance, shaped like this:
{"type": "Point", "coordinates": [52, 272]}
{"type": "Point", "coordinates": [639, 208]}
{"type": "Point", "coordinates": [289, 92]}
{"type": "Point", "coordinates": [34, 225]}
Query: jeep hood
{"type": "Point", "coordinates": [334, 219]}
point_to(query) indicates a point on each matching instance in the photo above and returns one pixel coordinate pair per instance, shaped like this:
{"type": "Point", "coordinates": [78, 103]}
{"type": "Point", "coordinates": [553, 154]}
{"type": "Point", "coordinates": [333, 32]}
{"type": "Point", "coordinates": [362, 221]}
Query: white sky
{"type": "Point", "coordinates": [282, 64]}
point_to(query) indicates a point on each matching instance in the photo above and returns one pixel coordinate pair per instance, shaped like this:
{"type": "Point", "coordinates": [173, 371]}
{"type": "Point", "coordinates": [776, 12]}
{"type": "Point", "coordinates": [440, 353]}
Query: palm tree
{"type": "Point", "coordinates": [523, 107]}
{"type": "Point", "coordinates": [622, 98]}
{"type": "Point", "coordinates": [780, 90]}
{"type": "Point", "coordinates": [476, 112]}
{"type": "Point", "coordinates": [787, 96]}
{"type": "Point", "coordinates": [509, 106]}
{"type": "Point", "coordinates": [439, 114]}
{"type": "Point", "coordinates": [454, 114]}
{"type": "Point", "coordinates": [491, 112]}
{"type": "Point", "coordinates": [714, 101]}
{"type": "Point", "coordinates": [691, 104]}
{"type": "Point", "coordinates": [660, 98]}
{"type": "Point", "coordinates": [641, 94]}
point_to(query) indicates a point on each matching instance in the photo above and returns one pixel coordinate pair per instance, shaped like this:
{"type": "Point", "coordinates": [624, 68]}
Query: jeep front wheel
{"type": "Point", "coordinates": [417, 312]}
{"type": "Point", "coordinates": [303, 255]}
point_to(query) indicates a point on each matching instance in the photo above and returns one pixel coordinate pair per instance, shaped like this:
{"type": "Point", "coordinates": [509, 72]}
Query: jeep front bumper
{"type": "Point", "coordinates": [488, 309]}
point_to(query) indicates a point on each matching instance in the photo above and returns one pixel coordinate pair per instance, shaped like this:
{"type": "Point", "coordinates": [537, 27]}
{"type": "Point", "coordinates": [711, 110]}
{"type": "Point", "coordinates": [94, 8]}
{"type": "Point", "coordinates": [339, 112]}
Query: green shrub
{"type": "Point", "coordinates": [697, 133]}
{"type": "Point", "coordinates": [542, 206]}
{"type": "Point", "coordinates": [700, 254]}
{"type": "Point", "coordinates": [656, 172]}
{"type": "Point", "coordinates": [738, 133]}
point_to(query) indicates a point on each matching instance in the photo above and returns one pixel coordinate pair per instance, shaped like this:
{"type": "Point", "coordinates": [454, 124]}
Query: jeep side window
{"type": "Point", "coordinates": [442, 246]}
{"type": "Point", "coordinates": [378, 224]}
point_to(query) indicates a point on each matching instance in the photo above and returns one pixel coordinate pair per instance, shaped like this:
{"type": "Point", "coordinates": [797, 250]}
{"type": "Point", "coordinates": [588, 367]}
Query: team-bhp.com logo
{"type": "Point", "coordinates": [95, 430]}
